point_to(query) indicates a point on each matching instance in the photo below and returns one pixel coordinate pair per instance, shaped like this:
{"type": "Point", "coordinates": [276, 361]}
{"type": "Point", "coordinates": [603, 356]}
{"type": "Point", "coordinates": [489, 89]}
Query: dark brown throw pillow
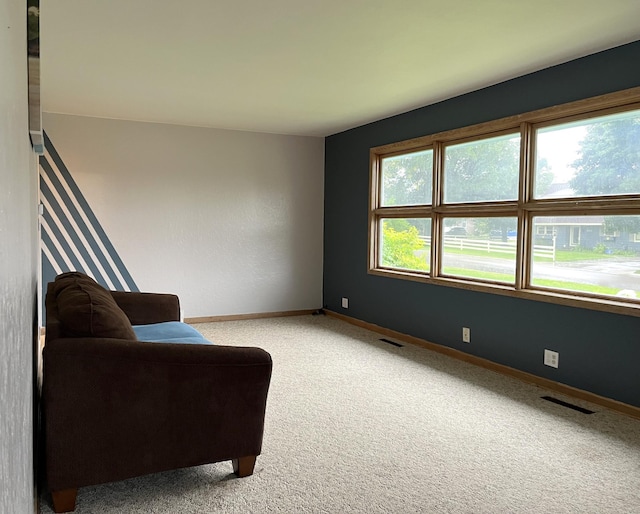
{"type": "Point", "coordinates": [86, 309]}
{"type": "Point", "coordinates": [73, 278]}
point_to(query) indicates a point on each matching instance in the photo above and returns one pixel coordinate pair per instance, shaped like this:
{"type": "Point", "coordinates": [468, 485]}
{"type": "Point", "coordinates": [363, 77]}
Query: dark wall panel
{"type": "Point", "coordinates": [598, 351]}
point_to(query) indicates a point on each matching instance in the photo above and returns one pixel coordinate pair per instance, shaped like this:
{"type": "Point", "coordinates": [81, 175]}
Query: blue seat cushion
{"type": "Point", "coordinates": [169, 332]}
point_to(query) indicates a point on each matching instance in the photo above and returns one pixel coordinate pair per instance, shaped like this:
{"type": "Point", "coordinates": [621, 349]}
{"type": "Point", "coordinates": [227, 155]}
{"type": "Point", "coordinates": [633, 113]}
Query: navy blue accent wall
{"type": "Point", "coordinates": [599, 352]}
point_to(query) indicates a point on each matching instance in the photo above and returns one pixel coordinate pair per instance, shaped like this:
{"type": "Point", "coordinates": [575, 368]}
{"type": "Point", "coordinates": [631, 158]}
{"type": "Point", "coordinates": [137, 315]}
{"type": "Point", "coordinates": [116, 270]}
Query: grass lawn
{"type": "Point", "coordinates": [483, 275]}
{"type": "Point", "coordinates": [510, 279]}
{"type": "Point", "coordinates": [574, 286]}
{"type": "Point", "coordinates": [561, 255]}
{"type": "Point", "coordinates": [573, 256]}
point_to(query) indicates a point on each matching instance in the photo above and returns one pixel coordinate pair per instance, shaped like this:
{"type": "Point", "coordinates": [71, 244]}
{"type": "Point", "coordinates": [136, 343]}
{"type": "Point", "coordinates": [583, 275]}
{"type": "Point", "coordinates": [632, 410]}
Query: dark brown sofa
{"type": "Point", "coordinates": [116, 407]}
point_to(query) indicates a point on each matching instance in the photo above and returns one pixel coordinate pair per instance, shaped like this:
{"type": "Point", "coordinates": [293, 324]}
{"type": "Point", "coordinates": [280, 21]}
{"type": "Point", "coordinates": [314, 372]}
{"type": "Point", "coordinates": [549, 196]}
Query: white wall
{"type": "Point", "coordinates": [18, 270]}
{"type": "Point", "coordinates": [231, 221]}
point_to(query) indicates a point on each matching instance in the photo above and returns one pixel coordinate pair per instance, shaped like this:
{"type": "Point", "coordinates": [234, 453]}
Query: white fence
{"type": "Point", "coordinates": [488, 246]}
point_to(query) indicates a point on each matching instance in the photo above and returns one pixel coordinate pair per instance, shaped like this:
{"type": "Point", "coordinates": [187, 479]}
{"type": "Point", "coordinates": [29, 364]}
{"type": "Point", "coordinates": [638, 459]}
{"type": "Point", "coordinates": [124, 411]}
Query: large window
{"type": "Point", "coordinates": [542, 205]}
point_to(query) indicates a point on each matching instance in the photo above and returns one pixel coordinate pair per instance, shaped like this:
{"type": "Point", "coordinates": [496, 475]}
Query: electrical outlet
{"type": "Point", "coordinates": [466, 335]}
{"type": "Point", "coordinates": [345, 303]}
{"type": "Point", "coordinates": [551, 358]}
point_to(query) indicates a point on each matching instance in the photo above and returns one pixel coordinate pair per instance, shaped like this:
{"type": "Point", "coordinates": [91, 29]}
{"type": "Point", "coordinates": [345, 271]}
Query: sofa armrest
{"type": "Point", "coordinates": [116, 409]}
{"type": "Point", "coordinates": [145, 308]}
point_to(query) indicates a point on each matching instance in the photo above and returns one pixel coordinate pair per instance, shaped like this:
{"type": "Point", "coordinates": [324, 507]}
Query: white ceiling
{"type": "Point", "coordinates": [302, 66]}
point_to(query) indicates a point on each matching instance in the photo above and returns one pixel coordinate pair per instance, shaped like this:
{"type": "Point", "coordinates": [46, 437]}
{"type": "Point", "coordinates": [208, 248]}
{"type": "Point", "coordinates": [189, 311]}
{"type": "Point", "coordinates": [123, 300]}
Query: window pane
{"type": "Point", "coordinates": [480, 248]}
{"type": "Point", "coordinates": [406, 179]}
{"type": "Point", "coordinates": [592, 254]}
{"type": "Point", "coordinates": [595, 157]}
{"type": "Point", "coordinates": [406, 243]}
{"type": "Point", "coordinates": [482, 171]}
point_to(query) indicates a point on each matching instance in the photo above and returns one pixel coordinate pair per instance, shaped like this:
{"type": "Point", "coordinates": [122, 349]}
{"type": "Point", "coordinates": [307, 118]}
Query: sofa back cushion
{"type": "Point", "coordinates": [86, 309]}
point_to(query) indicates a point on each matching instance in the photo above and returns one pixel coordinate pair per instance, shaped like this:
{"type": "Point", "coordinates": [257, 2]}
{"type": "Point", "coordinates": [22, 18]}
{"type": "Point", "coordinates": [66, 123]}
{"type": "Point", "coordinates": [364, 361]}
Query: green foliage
{"type": "Point", "coordinates": [495, 228]}
{"type": "Point", "coordinates": [543, 177]}
{"type": "Point", "coordinates": [481, 171]}
{"type": "Point", "coordinates": [397, 224]}
{"type": "Point", "coordinates": [400, 246]}
{"type": "Point", "coordinates": [33, 23]}
{"type": "Point", "coordinates": [406, 179]}
{"type": "Point", "coordinates": [609, 164]}
{"type": "Point", "coordinates": [600, 248]}
{"type": "Point", "coordinates": [485, 170]}
{"type": "Point", "coordinates": [609, 161]}
{"type": "Point", "coordinates": [629, 224]}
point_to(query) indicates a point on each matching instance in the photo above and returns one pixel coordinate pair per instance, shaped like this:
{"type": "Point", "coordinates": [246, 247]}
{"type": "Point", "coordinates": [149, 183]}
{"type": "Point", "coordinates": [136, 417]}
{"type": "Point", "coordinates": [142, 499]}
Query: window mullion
{"type": "Point", "coordinates": [586, 205]}
{"type": "Point", "coordinates": [525, 239]}
{"type": "Point", "coordinates": [478, 209]}
{"type": "Point", "coordinates": [436, 218]}
{"type": "Point", "coordinates": [416, 211]}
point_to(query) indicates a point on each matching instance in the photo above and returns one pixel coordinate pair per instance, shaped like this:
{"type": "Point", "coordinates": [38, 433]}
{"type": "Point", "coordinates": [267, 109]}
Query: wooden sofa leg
{"type": "Point", "coordinates": [65, 500]}
{"type": "Point", "coordinates": [243, 467]}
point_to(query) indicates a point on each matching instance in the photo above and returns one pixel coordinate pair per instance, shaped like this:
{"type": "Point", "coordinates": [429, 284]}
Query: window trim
{"type": "Point", "coordinates": [524, 208]}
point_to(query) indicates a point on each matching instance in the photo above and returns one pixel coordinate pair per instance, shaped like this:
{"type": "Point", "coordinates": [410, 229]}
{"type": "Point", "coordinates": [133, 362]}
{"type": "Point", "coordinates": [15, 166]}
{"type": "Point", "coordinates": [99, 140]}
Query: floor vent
{"type": "Point", "coordinates": [391, 342]}
{"type": "Point", "coordinates": [567, 404]}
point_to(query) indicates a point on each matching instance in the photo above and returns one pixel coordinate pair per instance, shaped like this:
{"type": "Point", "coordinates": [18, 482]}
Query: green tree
{"type": "Point", "coordinates": [400, 246]}
{"type": "Point", "coordinates": [609, 158]}
{"type": "Point", "coordinates": [485, 227]}
{"type": "Point", "coordinates": [543, 177]}
{"type": "Point", "coordinates": [609, 164]}
{"type": "Point", "coordinates": [482, 171]}
{"type": "Point", "coordinates": [629, 224]}
{"type": "Point", "coordinates": [406, 179]}
{"type": "Point", "coordinates": [487, 170]}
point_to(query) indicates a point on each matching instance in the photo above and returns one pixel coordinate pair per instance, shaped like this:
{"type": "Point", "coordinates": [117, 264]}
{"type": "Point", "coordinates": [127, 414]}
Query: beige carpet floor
{"type": "Point", "coordinates": [357, 425]}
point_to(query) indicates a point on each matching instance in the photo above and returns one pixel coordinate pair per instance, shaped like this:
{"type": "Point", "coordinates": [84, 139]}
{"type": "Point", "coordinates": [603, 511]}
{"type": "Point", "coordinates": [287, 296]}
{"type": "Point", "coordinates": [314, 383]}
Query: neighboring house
{"type": "Point", "coordinates": [586, 232]}
{"type": "Point", "coordinates": [569, 231]}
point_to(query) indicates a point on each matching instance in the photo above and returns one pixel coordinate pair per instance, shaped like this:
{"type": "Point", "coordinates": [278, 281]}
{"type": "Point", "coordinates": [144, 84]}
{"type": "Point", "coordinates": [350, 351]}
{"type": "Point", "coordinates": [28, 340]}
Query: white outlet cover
{"type": "Point", "coordinates": [345, 303]}
{"type": "Point", "coordinates": [551, 358]}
